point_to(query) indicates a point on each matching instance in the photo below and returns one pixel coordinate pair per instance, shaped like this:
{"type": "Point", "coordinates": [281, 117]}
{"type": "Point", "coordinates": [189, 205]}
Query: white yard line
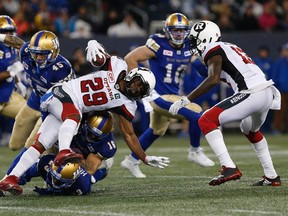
{"type": "Point", "coordinates": [25, 209]}
{"type": "Point", "coordinates": [254, 212]}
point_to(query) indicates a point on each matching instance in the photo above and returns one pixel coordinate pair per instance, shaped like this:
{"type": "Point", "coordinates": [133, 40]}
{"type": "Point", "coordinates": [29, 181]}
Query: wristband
{"type": "Point", "coordinates": [2, 37]}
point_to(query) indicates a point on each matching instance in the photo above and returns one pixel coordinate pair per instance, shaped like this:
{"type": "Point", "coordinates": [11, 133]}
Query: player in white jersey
{"type": "Point", "coordinates": [111, 88]}
{"type": "Point", "coordinates": [253, 97]}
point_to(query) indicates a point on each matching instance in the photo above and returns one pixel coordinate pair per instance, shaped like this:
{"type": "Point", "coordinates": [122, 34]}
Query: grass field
{"type": "Point", "coordinates": [179, 190]}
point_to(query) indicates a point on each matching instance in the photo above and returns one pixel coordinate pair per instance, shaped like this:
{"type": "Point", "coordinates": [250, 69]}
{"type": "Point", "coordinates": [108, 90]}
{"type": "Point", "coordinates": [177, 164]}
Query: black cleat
{"type": "Point", "coordinates": [268, 182]}
{"type": "Point", "coordinates": [227, 174]}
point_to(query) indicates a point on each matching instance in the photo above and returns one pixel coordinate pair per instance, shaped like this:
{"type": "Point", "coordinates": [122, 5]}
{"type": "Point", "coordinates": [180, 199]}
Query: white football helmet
{"type": "Point", "coordinates": [203, 33]}
{"type": "Point", "coordinates": [136, 76]}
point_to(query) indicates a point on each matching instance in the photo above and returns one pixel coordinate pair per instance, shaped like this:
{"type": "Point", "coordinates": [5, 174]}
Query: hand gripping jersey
{"type": "Point", "coordinates": [169, 64]}
{"type": "Point", "coordinates": [41, 81]}
{"type": "Point", "coordinates": [8, 56]}
{"type": "Point", "coordinates": [98, 91]}
{"type": "Point", "coordinates": [238, 69]}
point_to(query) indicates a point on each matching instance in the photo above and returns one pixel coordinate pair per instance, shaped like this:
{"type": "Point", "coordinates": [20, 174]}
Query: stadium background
{"type": "Point", "coordinates": [267, 26]}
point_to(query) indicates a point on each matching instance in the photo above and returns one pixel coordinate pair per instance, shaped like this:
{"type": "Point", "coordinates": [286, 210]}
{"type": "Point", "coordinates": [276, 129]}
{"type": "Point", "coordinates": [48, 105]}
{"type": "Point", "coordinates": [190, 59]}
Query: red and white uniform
{"type": "Point", "coordinates": [254, 95]}
{"type": "Point", "coordinates": [93, 92]}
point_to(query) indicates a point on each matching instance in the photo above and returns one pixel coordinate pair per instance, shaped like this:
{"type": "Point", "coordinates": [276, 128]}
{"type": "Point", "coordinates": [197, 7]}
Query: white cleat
{"type": "Point", "coordinates": [200, 158]}
{"type": "Point", "coordinates": [133, 167]}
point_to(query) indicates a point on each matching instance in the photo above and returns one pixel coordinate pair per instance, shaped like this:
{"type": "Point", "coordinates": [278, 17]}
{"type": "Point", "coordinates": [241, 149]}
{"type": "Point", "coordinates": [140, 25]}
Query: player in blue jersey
{"type": "Point", "coordinates": [96, 142]}
{"type": "Point", "coordinates": [168, 56]}
{"type": "Point", "coordinates": [10, 101]}
{"type": "Point", "coordinates": [44, 67]}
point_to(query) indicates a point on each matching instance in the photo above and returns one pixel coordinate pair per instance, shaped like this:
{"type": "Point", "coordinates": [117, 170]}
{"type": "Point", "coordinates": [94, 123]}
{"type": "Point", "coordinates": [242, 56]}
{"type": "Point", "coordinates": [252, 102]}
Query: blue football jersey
{"type": "Point", "coordinates": [8, 56]}
{"type": "Point", "coordinates": [169, 65]}
{"type": "Point", "coordinates": [41, 80]}
{"type": "Point", "coordinates": [105, 147]}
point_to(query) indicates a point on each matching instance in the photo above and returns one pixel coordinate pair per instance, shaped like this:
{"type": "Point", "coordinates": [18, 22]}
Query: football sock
{"type": "Point", "coordinates": [66, 133]}
{"type": "Point", "coordinates": [26, 161]}
{"type": "Point", "coordinates": [216, 142]}
{"type": "Point", "coordinates": [15, 161]}
{"type": "Point", "coordinates": [146, 140]}
{"type": "Point", "coordinates": [262, 150]}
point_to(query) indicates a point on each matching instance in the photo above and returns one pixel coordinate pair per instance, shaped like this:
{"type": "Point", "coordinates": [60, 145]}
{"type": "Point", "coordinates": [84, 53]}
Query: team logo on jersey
{"type": "Point", "coordinates": [117, 96]}
{"type": "Point", "coordinates": [1, 54]}
{"type": "Point", "coordinates": [167, 53]}
{"type": "Point", "coordinates": [187, 53]}
{"type": "Point", "coordinates": [8, 55]}
{"type": "Point", "coordinates": [111, 77]}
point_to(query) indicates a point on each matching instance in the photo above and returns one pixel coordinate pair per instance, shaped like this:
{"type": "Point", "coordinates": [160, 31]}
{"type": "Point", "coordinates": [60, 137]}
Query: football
{"type": "Point", "coordinates": [99, 61]}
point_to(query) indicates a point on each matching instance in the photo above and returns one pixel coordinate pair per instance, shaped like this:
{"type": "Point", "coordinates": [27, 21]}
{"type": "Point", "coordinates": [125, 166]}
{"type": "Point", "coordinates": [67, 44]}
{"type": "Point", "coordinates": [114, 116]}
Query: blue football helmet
{"type": "Point", "coordinates": [177, 28]}
{"type": "Point", "coordinates": [7, 25]}
{"type": "Point", "coordinates": [63, 176]}
{"type": "Point", "coordinates": [44, 48]}
{"type": "Point", "coordinates": [98, 126]}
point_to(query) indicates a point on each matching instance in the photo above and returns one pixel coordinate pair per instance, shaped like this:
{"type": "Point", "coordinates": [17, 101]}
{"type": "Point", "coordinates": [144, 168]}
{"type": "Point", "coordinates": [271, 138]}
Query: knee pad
{"type": "Point", "coordinates": [254, 137]}
{"type": "Point", "coordinates": [206, 125]}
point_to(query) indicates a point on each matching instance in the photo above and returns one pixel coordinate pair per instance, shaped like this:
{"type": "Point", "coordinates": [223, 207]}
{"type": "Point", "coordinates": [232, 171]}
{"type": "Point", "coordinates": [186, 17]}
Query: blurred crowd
{"type": "Point", "coordinates": [124, 18]}
{"type": "Point", "coordinates": [82, 19]}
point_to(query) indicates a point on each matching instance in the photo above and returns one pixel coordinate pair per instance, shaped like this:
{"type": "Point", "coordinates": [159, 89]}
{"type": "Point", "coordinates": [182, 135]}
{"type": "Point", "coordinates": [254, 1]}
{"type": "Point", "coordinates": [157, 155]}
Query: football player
{"type": "Point", "coordinates": [10, 101]}
{"type": "Point", "coordinates": [44, 67]}
{"type": "Point", "coordinates": [168, 56]}
{"type": "Point", "coordinates": [111, 88]}
{"type": "Point", "coordinates": [253, 97]}
{"type": "Point", "coordinates": [96, 142]}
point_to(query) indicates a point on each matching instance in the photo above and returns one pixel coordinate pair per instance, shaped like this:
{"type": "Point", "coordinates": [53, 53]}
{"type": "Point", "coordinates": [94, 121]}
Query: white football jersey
{"type": "Point", "coordinates": [97, 91]}
{"type": "Point", "coordinates": [238, 69]}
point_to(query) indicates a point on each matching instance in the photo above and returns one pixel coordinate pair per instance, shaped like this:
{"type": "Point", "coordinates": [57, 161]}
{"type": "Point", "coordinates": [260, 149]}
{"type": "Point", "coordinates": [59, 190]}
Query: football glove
{"type": "Point", "coordinates": [94, 48]}
{"type": "Point", "coordinates": [15, 68]}
{"type": "Point", "coordinates": [159, 162]}
{"type": "Point", "coordinates": [176, 106]}
{"type": "Point", "coordinates": [21, 89]}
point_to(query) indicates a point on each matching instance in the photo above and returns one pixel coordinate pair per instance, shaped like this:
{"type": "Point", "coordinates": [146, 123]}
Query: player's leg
{"type": "Point", "coordinates": [28, 143]}
{"type": "Point", "coordinates": [250, 127]}
{"type": "Point", "coordinates": [12, 108]}
{"type": "Point", "coordinates": [224, 112]}
{"type": "Point", "coordinates": [63, 108]}
{"type": "Point", "coordinates": [192, 113]}
{"type": "Point", "coordinates": [24, 124]}
{"type": "Point", "coordinates": [46, 137]}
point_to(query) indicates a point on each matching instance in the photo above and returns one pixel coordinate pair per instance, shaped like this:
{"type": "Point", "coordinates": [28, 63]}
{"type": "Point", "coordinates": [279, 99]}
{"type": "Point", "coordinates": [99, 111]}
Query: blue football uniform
{"type": "Point", "coordinates": [169, 65]}
{"type": "Point", "coordinates": [105, 147]}
{"type": "Point", "coordinates": [8, 56]}
{"type": "Point", "coordinates": [42, 79]}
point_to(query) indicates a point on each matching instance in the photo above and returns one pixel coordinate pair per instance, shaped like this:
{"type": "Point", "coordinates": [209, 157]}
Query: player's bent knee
{"type": "Point", "coordinates": [206, 125]}
{"type": "Point", "coordinates": [159, 132]}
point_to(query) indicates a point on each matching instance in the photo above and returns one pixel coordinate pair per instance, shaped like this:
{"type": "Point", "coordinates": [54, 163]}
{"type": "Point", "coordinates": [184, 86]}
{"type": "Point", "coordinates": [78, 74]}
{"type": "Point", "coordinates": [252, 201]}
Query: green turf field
{"type": "Point", "coordinates": [179, 190]}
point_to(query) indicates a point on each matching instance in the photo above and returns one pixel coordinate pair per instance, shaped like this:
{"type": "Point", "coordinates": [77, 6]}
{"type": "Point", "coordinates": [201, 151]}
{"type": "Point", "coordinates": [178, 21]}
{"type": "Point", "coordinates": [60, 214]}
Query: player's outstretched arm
{"type": "Point", "coordinates": [11, 40]}
{"type": "Point", "coordinates": [133, 143]}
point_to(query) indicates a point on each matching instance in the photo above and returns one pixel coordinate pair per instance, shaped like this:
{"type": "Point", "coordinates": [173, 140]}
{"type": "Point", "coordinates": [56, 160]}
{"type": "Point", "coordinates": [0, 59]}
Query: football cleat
{"type": "Point", "coordinates": [133, 167]}
{"type": "Point", "coordinates": [200, 158]}
{"type": "Point", "coordinates": [10, 184]}
{"type": "Point", "coordinates": [65, 156]}
{"type": "Point", "coordinates": [265, 181]}
{"type": "Point", "coordinates": [227, 174]}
